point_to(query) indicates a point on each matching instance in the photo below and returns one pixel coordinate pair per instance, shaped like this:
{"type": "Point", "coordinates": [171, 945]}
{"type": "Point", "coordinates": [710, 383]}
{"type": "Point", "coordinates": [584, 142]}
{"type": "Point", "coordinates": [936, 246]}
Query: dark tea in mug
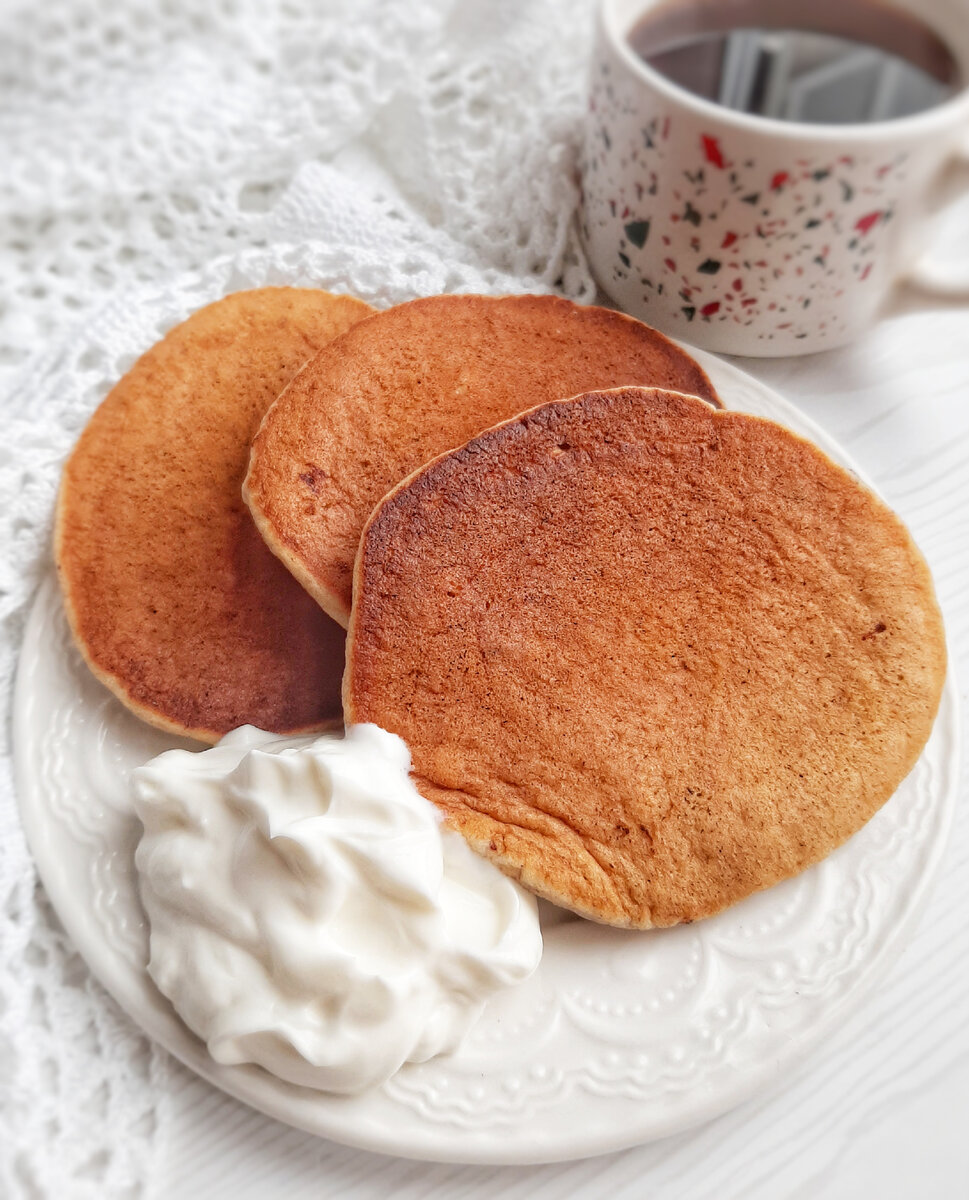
{"type": "Point", "coordinates": [822, 62]}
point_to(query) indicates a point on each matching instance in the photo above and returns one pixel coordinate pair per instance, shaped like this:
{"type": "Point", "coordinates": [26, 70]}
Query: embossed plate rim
{"type": "Point", "coordinates": [548, 1137]}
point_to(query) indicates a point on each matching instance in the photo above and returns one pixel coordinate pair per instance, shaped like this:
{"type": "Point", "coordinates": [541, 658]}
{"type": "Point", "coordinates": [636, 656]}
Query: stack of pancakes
{"type": "Point", "coordinates": [648, 655]}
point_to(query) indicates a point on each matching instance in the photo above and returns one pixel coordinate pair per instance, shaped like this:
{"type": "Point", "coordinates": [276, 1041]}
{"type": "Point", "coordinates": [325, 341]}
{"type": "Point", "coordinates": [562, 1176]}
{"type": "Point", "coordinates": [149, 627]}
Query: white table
{"type": "Point", "coordinates": [880, 1112]}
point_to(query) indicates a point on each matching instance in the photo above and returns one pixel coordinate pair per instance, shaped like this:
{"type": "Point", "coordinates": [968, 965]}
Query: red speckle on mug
{"type": "Point", "coordinates": [712, 151]}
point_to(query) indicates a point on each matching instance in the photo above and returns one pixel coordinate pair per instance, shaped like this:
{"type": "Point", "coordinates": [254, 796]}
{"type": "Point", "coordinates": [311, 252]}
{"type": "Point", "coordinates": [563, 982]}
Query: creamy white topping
{"type": "Point", "coordinates": [309, 912]}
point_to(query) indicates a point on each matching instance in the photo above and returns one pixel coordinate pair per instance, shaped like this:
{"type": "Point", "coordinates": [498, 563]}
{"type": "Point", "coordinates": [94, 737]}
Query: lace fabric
{"type": "Point", "coordinates": [156, 155]}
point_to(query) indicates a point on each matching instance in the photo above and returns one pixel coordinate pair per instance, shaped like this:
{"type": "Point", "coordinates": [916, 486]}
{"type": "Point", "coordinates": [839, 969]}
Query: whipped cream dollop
{"type": "Point", "coordinates": [310, 913]}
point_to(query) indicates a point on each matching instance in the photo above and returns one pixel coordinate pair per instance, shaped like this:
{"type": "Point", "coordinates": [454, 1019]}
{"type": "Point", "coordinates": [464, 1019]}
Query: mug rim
{"type": "Point", "coordinates": [938, 116]}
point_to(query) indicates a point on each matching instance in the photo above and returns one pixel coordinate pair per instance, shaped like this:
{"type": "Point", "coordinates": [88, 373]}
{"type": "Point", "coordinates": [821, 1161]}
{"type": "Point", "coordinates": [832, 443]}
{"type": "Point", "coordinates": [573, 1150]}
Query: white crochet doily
{"type": "Point", "coordinates": [151, 149]}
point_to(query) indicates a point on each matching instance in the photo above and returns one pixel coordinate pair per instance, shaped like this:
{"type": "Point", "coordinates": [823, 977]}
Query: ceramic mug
{"type": "Point", "coordinates": [750, 235]}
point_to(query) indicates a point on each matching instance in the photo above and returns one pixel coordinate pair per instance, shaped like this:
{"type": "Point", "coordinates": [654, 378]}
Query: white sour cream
{"type": "Point", "coordinates": [309, 912]}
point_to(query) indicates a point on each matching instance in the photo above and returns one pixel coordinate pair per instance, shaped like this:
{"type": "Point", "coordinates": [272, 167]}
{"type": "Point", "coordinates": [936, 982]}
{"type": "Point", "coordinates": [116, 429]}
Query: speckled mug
{"type": "Point", "coordinates": [748, 235]}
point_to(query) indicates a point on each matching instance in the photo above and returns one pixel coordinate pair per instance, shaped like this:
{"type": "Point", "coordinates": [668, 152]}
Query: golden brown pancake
{"type": "Point", "coordinates": [172, 596]}
{"type": "Point", "coordinates": [648, 657]}
{"type": "Point", "coordinates": [412, 382]}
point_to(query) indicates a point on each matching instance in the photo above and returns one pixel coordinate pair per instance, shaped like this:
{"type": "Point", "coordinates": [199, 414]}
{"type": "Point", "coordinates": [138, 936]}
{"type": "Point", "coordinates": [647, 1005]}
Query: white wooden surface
{"type": "Point", "coordinates": [881, 1111]}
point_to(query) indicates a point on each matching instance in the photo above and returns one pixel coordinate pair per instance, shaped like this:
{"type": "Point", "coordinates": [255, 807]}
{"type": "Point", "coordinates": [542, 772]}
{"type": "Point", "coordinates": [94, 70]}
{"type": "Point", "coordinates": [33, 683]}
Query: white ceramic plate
{"type": "Point", "coordinates": [618, 1039]}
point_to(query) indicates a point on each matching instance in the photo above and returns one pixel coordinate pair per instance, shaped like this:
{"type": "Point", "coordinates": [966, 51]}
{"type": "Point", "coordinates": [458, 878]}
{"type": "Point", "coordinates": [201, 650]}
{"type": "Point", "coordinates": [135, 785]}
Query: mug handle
{"type": "Point", "coordinates": [924, 275]}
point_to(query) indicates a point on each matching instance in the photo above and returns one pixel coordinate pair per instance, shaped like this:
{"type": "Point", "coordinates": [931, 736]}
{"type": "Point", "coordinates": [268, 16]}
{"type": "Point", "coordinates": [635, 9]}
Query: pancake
{"type": "Point", "coordinates": [648, 657]}
{"type": "Point", "coordinates": [412, 382]}
{"type": "Point", "coordinates": [173, 599]}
